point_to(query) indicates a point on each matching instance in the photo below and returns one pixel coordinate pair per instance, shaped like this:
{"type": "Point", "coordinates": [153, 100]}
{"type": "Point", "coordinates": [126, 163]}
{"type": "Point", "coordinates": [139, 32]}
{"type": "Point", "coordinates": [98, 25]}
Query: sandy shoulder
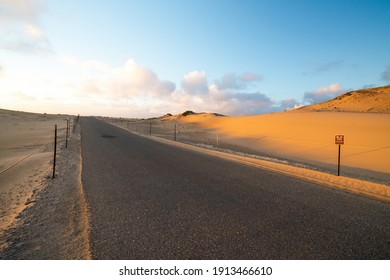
{"type": "Point", "coordinates": [26, 150]}
{"type": "Point", "coordinates": [55, 223]}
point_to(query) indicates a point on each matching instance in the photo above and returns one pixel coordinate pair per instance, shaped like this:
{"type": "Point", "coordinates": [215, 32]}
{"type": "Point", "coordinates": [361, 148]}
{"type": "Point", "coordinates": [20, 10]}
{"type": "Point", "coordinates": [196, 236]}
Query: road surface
{"type": "Point", "coordinates": [149, 200]}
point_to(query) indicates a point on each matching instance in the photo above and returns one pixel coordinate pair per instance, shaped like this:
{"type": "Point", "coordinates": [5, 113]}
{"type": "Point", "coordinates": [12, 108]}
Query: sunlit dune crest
{"type": "Point", "coordinates": [371, 100]}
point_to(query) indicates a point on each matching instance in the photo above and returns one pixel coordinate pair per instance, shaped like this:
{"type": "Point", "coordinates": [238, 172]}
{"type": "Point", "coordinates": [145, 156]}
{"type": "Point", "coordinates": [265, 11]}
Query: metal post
{"type": "Point", "coordinates": [67, 132]}
{"type": "Point", "coordinates": [175, 133]}
{"type": "Point", "coordinates": [55, 150]}
{"type": "Point", "coordinates": [338, 162]}
{"type": "Point", "coordinates": [150, 129]}
{"type": "Point", "coordinates": [217, 138]}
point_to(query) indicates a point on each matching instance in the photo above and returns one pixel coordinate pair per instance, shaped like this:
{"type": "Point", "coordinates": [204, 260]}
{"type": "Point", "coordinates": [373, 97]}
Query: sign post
{"type": "Point", "coordinates": [339, 140]}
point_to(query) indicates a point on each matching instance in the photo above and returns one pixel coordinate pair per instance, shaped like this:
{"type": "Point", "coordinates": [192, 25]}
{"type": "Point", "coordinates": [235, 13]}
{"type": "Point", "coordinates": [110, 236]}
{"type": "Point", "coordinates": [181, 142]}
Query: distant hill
{"type": "Point", "coordinates": [188, 114]}
{"type": "Point", "coordinates": [370, 100]}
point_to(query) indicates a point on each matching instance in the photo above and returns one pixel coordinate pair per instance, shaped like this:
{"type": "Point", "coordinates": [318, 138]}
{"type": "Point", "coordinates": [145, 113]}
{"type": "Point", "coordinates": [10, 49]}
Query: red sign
{"type": "Point", "coordinates": [339, 139]}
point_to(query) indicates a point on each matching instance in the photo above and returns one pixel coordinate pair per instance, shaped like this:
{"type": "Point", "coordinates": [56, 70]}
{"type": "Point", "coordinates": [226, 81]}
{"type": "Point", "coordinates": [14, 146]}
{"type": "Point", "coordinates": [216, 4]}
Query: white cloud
{"type": "Point", "coordinates": [12, 11]}
{"type": "Point", "coordinates": [129, 80]}
{"type": "Point", "coordinates": [83, 66]}
{"type": "Point", "coordinates": [234, 82]}
{"type": "Point", "coordinates": [332, 88]}
{"type": "Point", "coordinates": [324, 93]}
{"type": "Point", "coordinates": [19, 27]}
{"type": "Point", "coordinates": [249, 103]}
{"type": "Point", "coordinates": [288, 104]}
{"type": "Point", "coordinates": [251, 77]}
{"type": "Point", "coordinates": [195, 82]}
{"type": "Point", "coordinates": [34, 31]}
{"type": "Point", "coordinates": [29, 40]}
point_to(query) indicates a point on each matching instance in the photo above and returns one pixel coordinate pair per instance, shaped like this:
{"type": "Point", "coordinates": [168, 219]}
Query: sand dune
{"type": "Point", "coordinates": [372, 100]}
{"type": "Point", "coordinates": [309, 136]}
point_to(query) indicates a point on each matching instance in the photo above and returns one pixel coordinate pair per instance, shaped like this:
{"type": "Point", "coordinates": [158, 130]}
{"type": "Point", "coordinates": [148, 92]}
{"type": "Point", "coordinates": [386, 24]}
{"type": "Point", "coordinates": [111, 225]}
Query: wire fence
{"type": "Point", "coordinates": [187, 133]}
{"type": "Point", "coordinates": [60, 135]}
{"type": "Point", "coordinates": [193, 133]}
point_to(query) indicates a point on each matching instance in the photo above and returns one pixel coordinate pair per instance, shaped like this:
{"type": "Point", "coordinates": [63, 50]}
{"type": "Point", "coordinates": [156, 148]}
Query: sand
{"type": "Point", "coordinates": [26, 145]}
{"type": "Point", "coordinates": [26, 156]}
{"type": "Point", "coordinates": [56, 223]}
{"type": "Point", "coordinates": [309, 137]}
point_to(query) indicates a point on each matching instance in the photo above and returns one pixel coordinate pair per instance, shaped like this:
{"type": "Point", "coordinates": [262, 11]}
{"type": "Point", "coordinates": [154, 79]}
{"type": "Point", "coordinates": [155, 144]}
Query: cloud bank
{"type": "Point", "coordinates": [195, 82]}
{"type": "Point", "coordinates": [127, 81]}
{"type": "Point", "coordinates": [142, 89]}
{"type": "Point", "coordinates": [134, 90]}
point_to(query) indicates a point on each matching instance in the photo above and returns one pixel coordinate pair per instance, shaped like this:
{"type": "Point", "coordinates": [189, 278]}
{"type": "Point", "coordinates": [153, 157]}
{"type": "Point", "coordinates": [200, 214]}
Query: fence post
{"type": "Point", "coordinates": [175, 133]}
{"type": "Point", "coordinates": [217, 139]}
{"type": "Point", "coordinates": [67, 132]}
{"type": "Point", "coordinates": [55, 151]}
{"type": "Point", "coordinates": [150, 129]}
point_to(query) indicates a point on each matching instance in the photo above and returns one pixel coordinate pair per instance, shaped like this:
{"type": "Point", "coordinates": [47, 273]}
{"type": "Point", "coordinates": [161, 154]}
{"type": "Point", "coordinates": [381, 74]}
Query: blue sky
{"type": "Point", "coordinates": [146, 58]}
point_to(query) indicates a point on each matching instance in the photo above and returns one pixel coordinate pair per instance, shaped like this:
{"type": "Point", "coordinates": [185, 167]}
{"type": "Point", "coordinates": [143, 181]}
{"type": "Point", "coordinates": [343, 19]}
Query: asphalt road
{"type": "Point", "coordinates": [150, 200]}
